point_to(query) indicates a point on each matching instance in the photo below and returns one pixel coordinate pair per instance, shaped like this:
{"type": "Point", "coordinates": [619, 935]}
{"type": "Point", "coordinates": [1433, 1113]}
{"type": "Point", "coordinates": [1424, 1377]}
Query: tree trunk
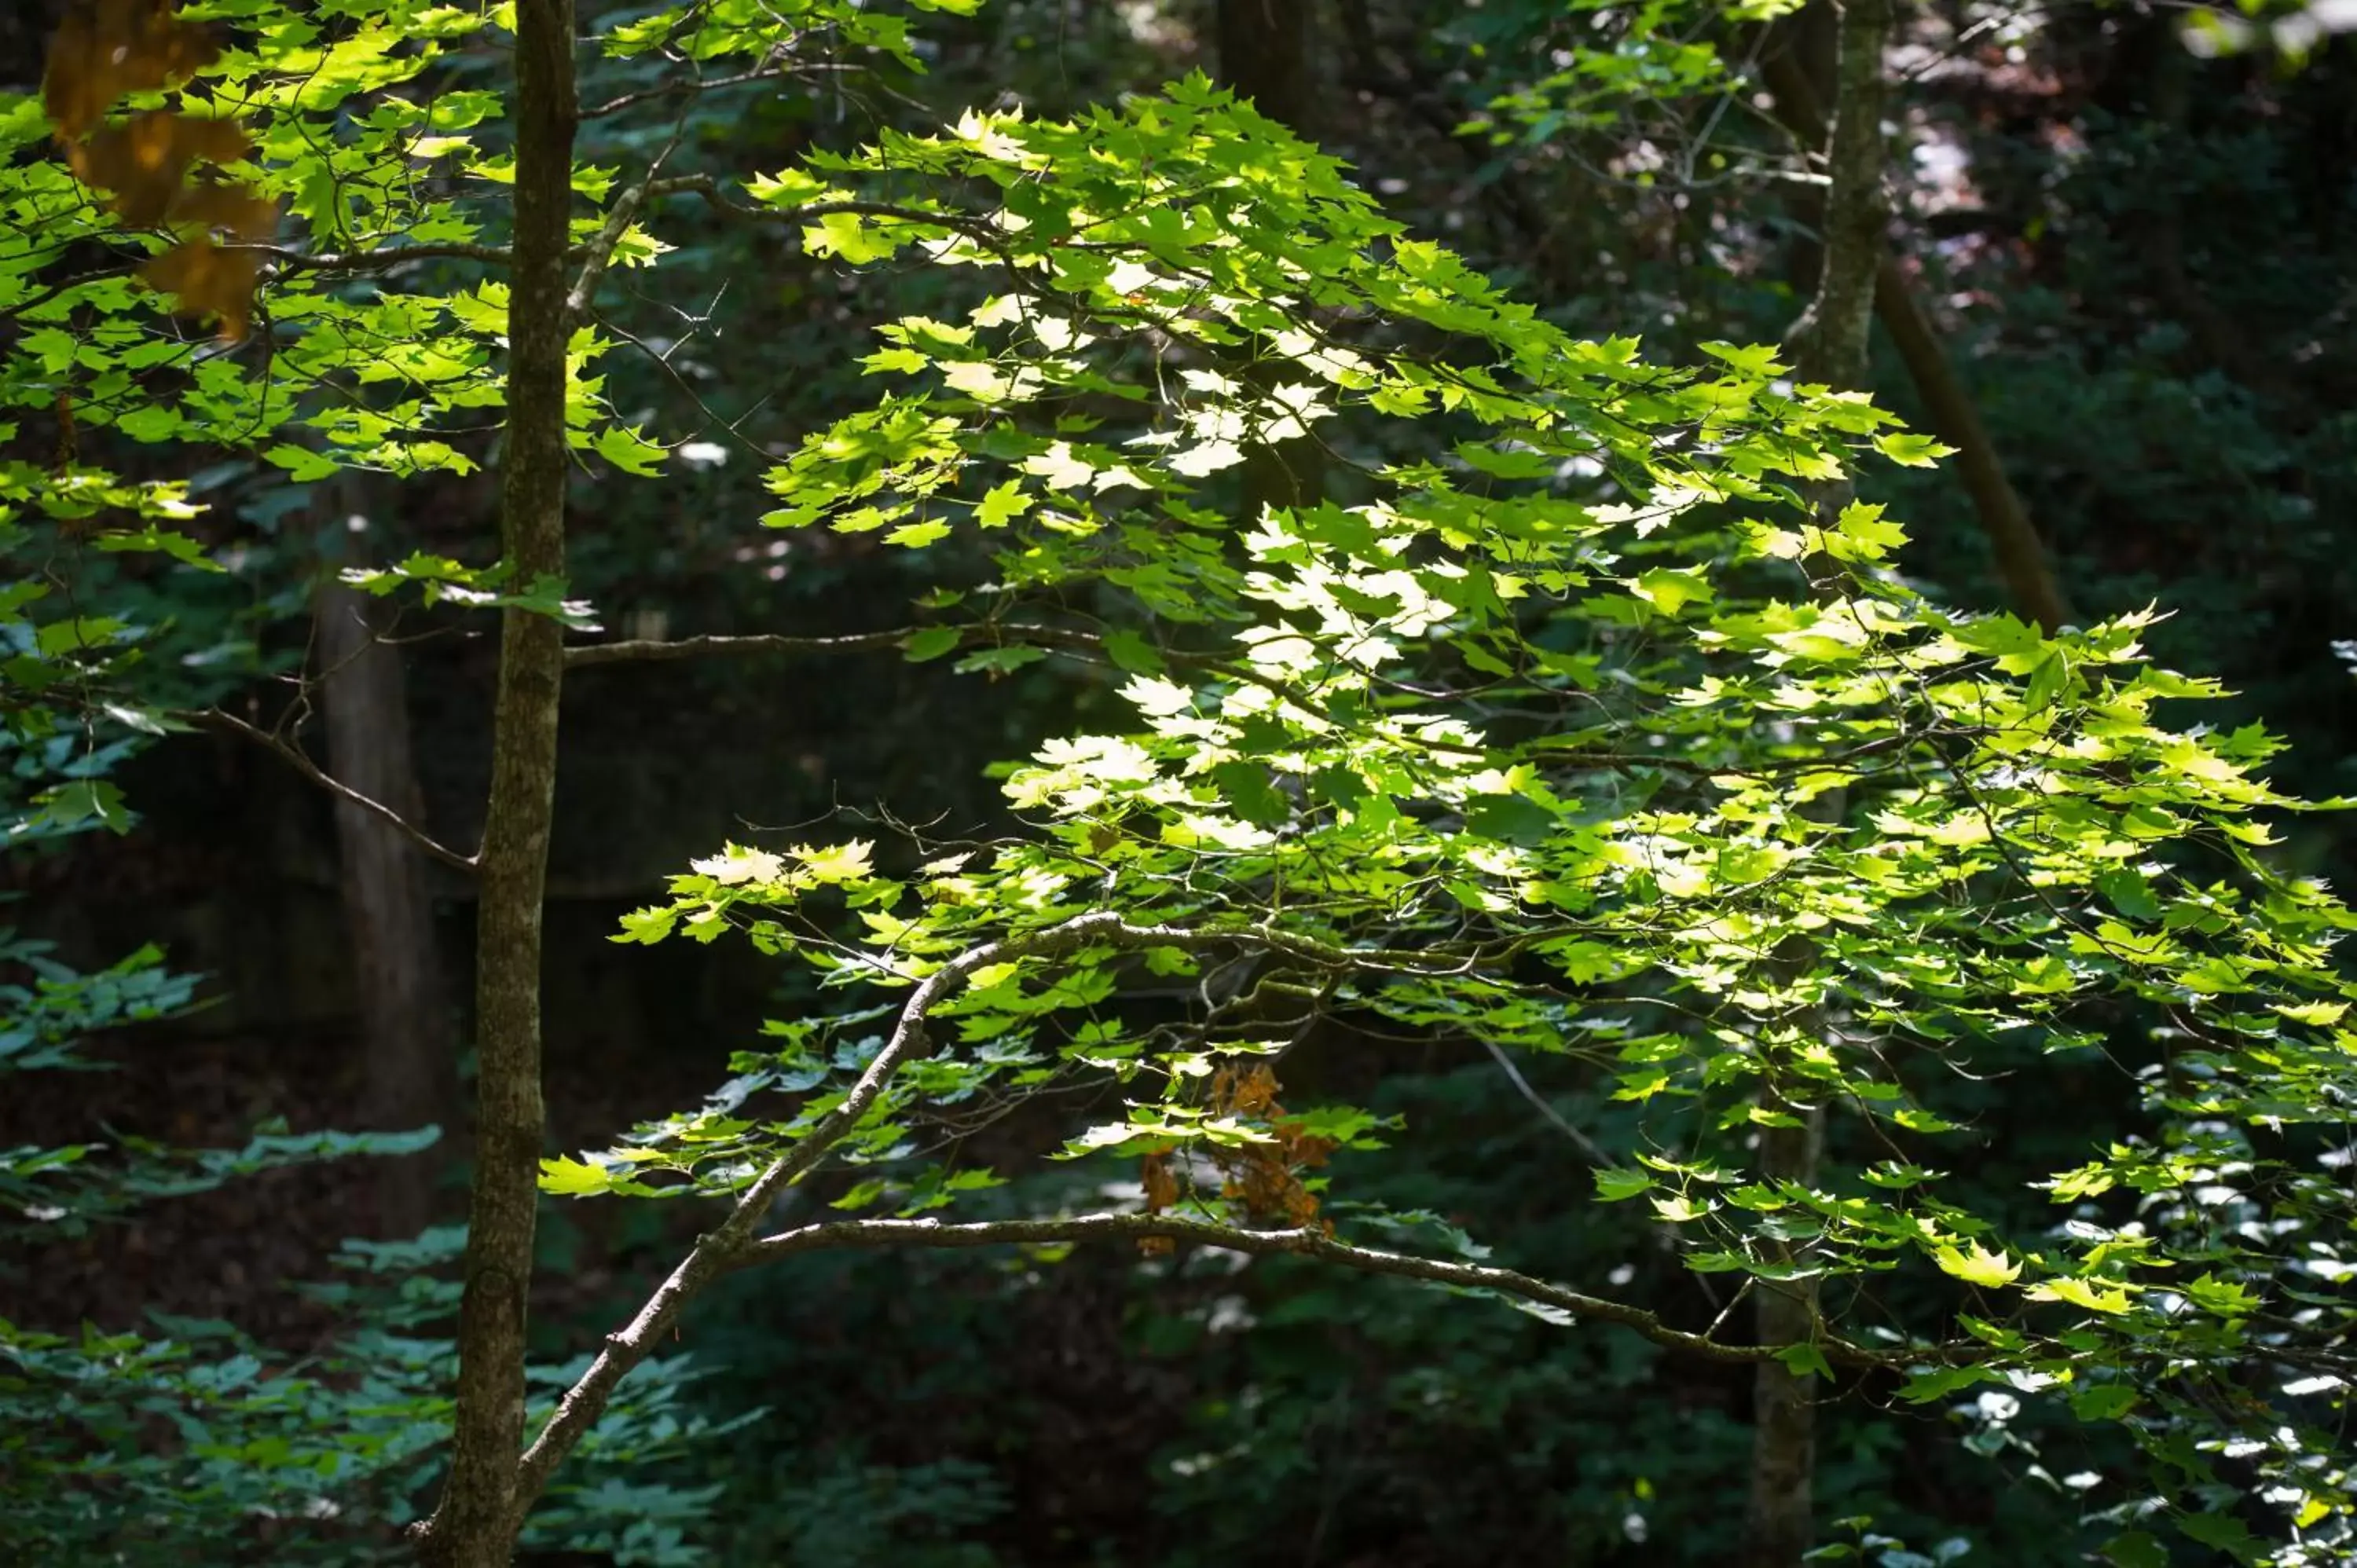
{"type": "Point", "coordinates": [388, 900]}
{"type": "Point", "coordinates": [1954, 417]}
{"type": "Point", "coordinates": [1830, 347]}
{"type": "Point", "coordinates": [1263, 48]}
{"type": "Point", "coordinates": [1263, 55]}
{"type": "Point", "coordinates": [477, 1524]}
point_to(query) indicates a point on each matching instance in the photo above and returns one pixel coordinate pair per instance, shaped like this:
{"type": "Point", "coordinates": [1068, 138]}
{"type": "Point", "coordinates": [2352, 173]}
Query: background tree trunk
{"type": "Point", "coordinates": [1264, 56]}
{"type": "Point", "coordinates": [1264, 49]}
{"type": "Point", "coordinates": [1792, 69]}
{"type": "Point", "coordinates": [405, 1018]}
{"type": "Point", "coordinates": [477, 1524]}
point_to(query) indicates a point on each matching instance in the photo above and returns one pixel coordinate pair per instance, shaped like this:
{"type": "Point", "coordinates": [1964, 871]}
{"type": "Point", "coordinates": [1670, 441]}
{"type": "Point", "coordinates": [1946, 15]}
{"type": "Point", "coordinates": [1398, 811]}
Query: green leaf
{"type": "Point", "coordinates": [932, 642]}
{"type": "Point", "coordinates": [2223, 1531]}
{"type": "Point", "coordinates": [567, 1178]}
{"type": "Point", "coordinates": [1670, 589]}
{"type": "Point", "coordinates": [2105, 1401]}
{"type": "Point", "coordinates": [1134, 653]}
{"type": "Point", "coordinates": [629, 451]}
{"type": "Point", "coordinates": [1617, 1185]}
{"type": "Point", "coordinates": [917, 535]}
{"type": "Point", "coordinates": [1247, 789]}
{"type": "Point", "coordinates": [83, 801]}
{"type": "Point", "coordinates": [999, 661]}
{"type": "Point", "coordinates": [1914, 451]}
{"type": "Point", "coordinates": [2129, 893]}
{"type": "Point", "coordinates": [2135, 1548]}
{"type": "Point", "coordinates": [1510, 818]}
{"type": "Point", "coordinates": [1977, 1266]}
{"type": "Point", "coordinates": [1804, 1360]}
{"type": "Point", "coordinates": [1002, 504]}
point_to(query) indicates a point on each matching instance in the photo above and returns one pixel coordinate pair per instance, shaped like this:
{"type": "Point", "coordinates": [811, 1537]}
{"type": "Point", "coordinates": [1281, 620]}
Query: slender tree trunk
{"type": "Point", "coordinates": [1830, 345]}
{"type": "Point", "coordinates": [479, 1519]}
{"type": "Point", "coordinates": [2021, 559]}
{"type": "Point", "coordinates": [1955, 418]}
{"type": "Point", "coordinates": [1264, 53]}
{"type": "Point", "coordinates": [388, 900]}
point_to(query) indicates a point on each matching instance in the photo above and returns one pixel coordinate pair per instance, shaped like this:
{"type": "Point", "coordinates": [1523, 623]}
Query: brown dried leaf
{"type": "Point", "coordinates": [208, 281]}
{"type": "Point", "coordinates": [1161, 1182]}
{"type": "Point", "coordinates": [104, 50]}
{"type": "Point", "coordinates": [232, 207]}
{"type": "Point", "coordinates": [145, 162]}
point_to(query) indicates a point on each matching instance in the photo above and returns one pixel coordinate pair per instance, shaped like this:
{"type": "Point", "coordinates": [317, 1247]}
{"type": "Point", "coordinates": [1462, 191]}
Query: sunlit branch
{"type": "Point", "coordinates": [1309, 1241]}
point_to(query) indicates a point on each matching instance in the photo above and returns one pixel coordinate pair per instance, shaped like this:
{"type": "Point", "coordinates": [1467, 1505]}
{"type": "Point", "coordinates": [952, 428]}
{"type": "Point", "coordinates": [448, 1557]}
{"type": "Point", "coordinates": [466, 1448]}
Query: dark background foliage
{"type": "Point", "coordinates": [2141, 263]}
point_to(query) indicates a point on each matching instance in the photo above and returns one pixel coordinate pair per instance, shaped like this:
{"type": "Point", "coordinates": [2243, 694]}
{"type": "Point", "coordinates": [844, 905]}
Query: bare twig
{"type": "Point", "coordinates": [687, 89]}
{"type": "Point", "coordinates": [656, 651]}
{"type": "Point", "coordinates": [1579, 1140]}
{"type": "Point", "coordinates": [229, 723]}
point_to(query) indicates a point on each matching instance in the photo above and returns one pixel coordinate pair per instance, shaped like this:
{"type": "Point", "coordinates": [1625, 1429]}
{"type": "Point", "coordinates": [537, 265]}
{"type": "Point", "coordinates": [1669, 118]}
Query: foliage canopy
{"type": "Point", "coordinates": [1516, 724]}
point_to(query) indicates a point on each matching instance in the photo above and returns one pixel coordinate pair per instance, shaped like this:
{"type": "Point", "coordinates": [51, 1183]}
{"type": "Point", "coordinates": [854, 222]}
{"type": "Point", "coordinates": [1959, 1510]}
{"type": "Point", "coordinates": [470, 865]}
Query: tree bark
{"type": "Point", "coordinates": [479, 1519]}
{"type": "Point", "coordinates": [1830, 347]}
{"type": "Point", "coordinates": [1263, 55]}
{"type": "Point", "coordinates": [404, 1004]}
{"type": "Point", "coordinates": [1956, 419]}
{"type": "Point", "coordinates": [1263, 48]}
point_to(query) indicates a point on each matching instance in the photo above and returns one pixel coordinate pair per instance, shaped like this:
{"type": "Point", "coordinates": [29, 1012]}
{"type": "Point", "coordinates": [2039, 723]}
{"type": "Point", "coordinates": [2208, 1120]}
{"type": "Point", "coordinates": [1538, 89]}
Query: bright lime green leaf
{"type": "Point", "coordinates": [567, 1178]}
{"type": "Point", "coordinates": [1914, 451]}
{"type": "Point", "coordinates": [2093, 1296]}
{"type": "Point", "coordinates": [1976, 1265]}
{"type": "Point", "coordinates": [1670, 589]}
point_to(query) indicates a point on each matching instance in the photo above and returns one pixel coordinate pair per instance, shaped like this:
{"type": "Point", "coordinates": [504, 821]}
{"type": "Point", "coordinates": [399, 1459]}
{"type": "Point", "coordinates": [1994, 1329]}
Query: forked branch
{"type": "Point", "coordinates": [294, 758]}
{"type": "Point", "coordinates": [735, 1244]}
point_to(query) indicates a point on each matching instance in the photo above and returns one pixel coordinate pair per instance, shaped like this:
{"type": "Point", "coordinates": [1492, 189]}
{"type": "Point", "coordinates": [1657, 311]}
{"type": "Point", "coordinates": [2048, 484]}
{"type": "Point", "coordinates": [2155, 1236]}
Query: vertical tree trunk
{"type": "Point", "coordinates": [1263, 48]}
{"type": "Point", "coordinates": [1830, 345]}
{"type": "Point", "coordinates": [1263, 55]}
{"type": "Point", "coordinates": [477, 1524]}
{"type": "Point", "coordinates": [388, 901]}
{"type": "Point", "coordinates": [1955, 418]}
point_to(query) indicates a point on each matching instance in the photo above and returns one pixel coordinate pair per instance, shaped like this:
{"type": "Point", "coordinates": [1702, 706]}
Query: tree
{"type": "Point", "coordinates": [1514, 738]}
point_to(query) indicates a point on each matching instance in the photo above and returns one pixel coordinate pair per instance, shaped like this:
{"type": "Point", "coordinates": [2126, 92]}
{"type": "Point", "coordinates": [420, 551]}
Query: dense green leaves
{"type": "Point", "coordinates": [1481, 747]}
{"type": "Point", "coordinates": [1515, 726]}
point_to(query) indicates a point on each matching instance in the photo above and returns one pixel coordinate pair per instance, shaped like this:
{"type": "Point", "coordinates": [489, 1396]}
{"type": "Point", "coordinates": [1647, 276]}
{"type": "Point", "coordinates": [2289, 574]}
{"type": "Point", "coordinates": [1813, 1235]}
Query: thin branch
{"type": "Point", "coordinates": [985, 634]}
{"type": "Point", "coordinates": [387, 256]}
{"type": "Point", "coordinates": [656, 651]}
{"type": "Point", "coordinates": [1579, 1140]}
{"type": "Point", "coordinates": [688, 89]}
{"type": "Point", "coordinates": [610, 233]}
{"type": "Point", "coordinates": [718, 1251]}
{"type": "Point", "coordinates": [1309, 1241]}
{"type": "Point", "coordinates": [229, 723]}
